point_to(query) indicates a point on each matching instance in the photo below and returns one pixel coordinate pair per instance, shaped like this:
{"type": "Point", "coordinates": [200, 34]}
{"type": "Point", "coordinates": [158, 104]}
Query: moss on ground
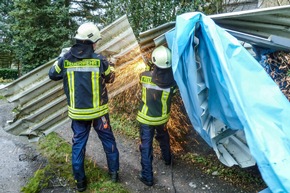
{"type": "Point", "coordinates": [58, 153]}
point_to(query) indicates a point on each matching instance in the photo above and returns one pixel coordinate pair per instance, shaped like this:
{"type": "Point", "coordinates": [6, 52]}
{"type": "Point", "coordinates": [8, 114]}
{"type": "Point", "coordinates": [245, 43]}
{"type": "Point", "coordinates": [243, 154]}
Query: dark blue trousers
{"type": "Point", "coordinates": [81, 130]}
{"type": "Point", "coordinates": [147, 132]}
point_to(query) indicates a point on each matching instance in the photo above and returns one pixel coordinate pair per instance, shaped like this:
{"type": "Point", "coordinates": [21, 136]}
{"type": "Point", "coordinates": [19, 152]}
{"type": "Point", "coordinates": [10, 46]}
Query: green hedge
{"type": "Point", "coordinates": [7, 73]}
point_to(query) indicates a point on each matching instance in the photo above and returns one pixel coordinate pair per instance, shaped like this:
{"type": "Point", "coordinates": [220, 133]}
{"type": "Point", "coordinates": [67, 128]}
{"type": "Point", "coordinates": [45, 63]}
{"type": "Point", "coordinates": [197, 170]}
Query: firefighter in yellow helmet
{"type": "Point", "coordinates": [158, 87]}
{"type": "Point", "coordinates": [85, 74]}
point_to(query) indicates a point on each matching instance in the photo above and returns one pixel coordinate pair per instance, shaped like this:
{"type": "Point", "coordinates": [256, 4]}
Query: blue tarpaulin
{"type": "Point", "coordinates": [240, 93]}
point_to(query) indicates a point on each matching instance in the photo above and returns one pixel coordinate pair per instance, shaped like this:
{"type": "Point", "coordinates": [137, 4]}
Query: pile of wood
{"type": "Point", "coordinates": [278, 67]}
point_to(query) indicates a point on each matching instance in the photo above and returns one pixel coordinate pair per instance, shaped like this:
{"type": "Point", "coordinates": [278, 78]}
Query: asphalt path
{"type": "Point", "coordinates": [19, 158]}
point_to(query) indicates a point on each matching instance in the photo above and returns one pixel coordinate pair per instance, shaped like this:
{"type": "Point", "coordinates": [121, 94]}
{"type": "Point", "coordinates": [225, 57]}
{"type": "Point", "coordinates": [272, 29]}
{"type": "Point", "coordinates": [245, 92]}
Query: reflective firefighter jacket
{"type": "Point", "coordinates": [84, 82]}
{"type": "Point", "coordinates": [156, 101]}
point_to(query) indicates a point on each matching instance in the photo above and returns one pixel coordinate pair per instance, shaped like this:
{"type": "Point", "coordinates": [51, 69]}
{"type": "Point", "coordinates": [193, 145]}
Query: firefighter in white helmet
{"type": "Point", "coordinates": [158, 87]}
{"type": "Point", "coordinates": [85, 74]}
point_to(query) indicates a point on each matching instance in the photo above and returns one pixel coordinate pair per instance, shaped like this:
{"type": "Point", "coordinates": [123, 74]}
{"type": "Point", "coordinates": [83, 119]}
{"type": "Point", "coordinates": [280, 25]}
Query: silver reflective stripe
{"type": "Point", "coordinates": [156, 87]}
{"type": "Point", "coordinates": [84, 69]}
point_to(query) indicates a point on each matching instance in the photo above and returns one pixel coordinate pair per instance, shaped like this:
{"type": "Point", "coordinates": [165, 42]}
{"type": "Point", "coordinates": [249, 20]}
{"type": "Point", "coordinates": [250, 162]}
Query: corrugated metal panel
{"type": "Point", "coordinates": [268, 28]}
{"type": "Point", "coordinates": [259, 22]}
{"type": "Point", "coordinates": [152, 38]}
{"type": "Point", "coordinates": [229, 145]}
{"type": "Point", "coordinates": [41, 103]}
{"type": "Point", "coordinates": [257, 26]}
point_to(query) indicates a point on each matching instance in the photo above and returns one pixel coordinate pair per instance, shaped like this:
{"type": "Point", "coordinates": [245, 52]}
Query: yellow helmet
{"type": "Point", "coordinates": [161, 57]}
{"type": "Point", "coordinates": [88, 31]}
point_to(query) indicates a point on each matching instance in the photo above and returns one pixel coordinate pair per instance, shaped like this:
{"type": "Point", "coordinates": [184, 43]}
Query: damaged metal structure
{"type": "Point", "coordinates": [41, 103]}
{"type": "Point", "coordinates": [267, 28]}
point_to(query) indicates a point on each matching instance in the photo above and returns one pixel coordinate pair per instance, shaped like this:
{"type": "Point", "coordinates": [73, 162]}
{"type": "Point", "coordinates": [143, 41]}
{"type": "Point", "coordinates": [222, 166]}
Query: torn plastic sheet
{"type": "Point", "coordinates": [240, 93]}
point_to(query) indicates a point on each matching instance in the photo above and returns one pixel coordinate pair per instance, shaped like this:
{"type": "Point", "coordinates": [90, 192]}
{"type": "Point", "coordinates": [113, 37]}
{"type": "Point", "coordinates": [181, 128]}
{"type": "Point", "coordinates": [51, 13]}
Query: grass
{"type": "Point", "coordinates": [39, 181]}
{"type": "Point", "coordinates": [58, 153]}
{"type": "Point", "coordinates": [125, 126]}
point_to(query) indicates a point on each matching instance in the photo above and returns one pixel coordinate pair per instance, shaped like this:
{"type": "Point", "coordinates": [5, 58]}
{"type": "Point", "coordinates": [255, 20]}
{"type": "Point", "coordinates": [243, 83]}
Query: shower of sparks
{"type": "Point", "coordinates": [126, 77]}
{"type": "Point", "coordinates": [126, 91]}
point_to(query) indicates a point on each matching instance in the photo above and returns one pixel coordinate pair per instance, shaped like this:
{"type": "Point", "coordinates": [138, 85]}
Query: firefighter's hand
{"type": "Point", "coordinates": [112, 60]}
{"type": "Point", "coordinates": [112, 69]}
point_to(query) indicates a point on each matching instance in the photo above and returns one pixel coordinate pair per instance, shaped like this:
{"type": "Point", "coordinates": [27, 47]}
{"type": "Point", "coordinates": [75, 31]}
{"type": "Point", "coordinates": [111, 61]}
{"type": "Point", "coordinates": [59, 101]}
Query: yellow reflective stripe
{"type": "Point", "coordinates": [87, 111]}
{"type": "Point", "coordinates": [95, 89]}
{"type": "Point", "coordinates": [144, 109]}
{"type": "Point", "coordinates": [144, 93]}
{"type": "Point", "coordinates": [147, 80]}
{"type": "Point", "coordinates": [108, 71]}
{"type": "Point", "coordinates": [87, 116]}
{"type": "Point", "coordinates": [93, 77]}
{"type": "Point", "coordinates": [152, 120]}
{"type": "Point", "coordinates": [70, 78]}
{"type": "Point", "coordinates": [164, 99]}
{"type": "Point", "coordinates": [57, 68]}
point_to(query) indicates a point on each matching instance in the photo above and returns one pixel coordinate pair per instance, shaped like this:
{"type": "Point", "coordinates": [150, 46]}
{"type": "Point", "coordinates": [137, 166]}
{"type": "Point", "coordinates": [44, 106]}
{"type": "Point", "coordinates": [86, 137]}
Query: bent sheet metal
{"type": "Point", "coordinates": [240, 96]}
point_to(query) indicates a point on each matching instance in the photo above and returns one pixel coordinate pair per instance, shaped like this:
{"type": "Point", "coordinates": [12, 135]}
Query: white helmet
{"type": "Point", "coordinates": [88, 31]}
{"type": "Point", "coordinates": [161, 57]}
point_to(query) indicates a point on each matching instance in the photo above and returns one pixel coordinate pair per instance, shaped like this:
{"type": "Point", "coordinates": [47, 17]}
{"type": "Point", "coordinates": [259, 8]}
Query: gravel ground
{"type": "Point", "coordinates": [20, 160]}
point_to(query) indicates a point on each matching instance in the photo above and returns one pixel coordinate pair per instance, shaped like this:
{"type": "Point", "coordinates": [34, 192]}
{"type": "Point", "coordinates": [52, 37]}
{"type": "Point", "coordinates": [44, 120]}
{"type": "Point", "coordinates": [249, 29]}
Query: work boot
{"type": "Point", "coordinates": [169, 161]}
{"type": "Point", "coordinates": [81, 185]}
{"type": "Point", "coordinates": [114, 177]}
{"type": "Point", "coordinates": [146, 182]}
